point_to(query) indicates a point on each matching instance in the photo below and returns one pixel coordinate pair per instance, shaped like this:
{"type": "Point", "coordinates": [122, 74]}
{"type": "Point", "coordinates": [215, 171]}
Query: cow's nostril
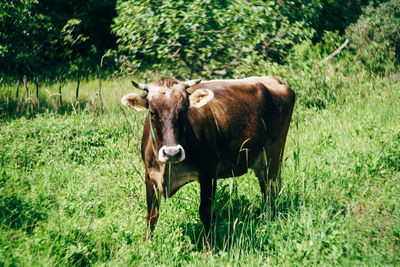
{"type": "Point", "coordinates": [171, 154]}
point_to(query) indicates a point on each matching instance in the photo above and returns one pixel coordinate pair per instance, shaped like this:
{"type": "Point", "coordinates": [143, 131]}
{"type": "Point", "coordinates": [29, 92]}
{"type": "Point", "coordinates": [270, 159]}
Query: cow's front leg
{"type": "Point", "coordinates": [153, 202]}
{"type": "Point", "coordinates": [207, 194]}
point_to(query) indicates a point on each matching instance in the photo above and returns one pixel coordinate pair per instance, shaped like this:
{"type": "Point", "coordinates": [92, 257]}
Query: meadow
{"type": "Point", "coordinates": [72, 182]}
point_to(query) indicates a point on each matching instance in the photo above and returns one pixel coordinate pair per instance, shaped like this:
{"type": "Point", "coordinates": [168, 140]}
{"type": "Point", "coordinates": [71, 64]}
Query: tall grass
{"type": "Point", "coordinates": [72, 189]}
{"type": "Point", "coordinates": [93, 94]}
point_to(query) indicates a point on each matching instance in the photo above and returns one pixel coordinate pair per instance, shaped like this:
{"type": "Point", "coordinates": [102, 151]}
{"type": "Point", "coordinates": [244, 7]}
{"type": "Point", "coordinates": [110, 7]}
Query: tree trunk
{"type": "Point", "coordinates": [17, 97]}
{"type": "Point", "coordinates": [26, 88]}
{"type": "Point", "coordinates": [37, 92]}
{"type": "Point", "coordinates": [337, 51]}
{"type": "Point", "coordinates": [59, 90]}
{"type": "Point", "coordinates": [77, 86]}
{"type": "Point", "coordinates": [100, 94]}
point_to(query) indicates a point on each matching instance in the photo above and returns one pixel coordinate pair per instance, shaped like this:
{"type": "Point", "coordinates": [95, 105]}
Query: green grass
{"type": "Point", "coordinates": [72, 190]}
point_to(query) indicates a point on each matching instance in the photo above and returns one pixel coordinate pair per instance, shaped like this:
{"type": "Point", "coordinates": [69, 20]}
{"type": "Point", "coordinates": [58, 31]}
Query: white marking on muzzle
{"type": "Point", "coordinates": [172, 154]}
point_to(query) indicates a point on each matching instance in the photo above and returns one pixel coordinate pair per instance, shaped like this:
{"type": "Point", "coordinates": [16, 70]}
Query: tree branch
{"type": "Point", "coordinates": [337, 51]}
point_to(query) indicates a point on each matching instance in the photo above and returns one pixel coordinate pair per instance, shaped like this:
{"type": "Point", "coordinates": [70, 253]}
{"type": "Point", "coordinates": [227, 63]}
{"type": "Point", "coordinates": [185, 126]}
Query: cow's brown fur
{"type": "Point", "coordinates": [244, 126]}
{"type": "Point", "coordinates": [167, 82]}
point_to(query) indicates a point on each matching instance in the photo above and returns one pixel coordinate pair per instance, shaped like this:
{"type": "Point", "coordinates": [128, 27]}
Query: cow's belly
{"type": "Point", "coordinates": [239, 166]}
{"type": "Point", "coordinates": [228, 170]}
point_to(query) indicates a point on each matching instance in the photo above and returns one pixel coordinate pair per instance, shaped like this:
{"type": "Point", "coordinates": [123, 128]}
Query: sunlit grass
{"type": "Point", "coordinates": [72, 190]}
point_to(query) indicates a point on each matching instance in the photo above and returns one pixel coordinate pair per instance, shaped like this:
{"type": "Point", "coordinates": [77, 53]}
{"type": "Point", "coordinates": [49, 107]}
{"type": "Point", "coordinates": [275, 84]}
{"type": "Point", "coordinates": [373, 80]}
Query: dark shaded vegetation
{"type": "Point", "coordinates": [47, 39]}
{"type": "Point", "coordinates": [19, 214]}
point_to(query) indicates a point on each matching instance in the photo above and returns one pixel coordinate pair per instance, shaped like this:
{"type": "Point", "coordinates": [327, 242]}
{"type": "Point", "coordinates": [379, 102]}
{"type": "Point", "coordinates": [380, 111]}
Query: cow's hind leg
{"type": "Point", "coordinates": [267, 171]}
{"type": "Point", "coordinates": [153, 202]}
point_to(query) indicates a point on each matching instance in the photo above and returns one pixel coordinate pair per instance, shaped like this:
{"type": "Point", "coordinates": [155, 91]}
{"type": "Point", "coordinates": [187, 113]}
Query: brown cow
{"type": "Point", "coordinates": [202, 131]}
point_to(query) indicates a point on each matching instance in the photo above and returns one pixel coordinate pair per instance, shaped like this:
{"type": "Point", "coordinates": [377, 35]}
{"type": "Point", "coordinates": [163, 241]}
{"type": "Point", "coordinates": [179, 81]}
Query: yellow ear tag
{"type": "Point", "coordinates": [138, 107]}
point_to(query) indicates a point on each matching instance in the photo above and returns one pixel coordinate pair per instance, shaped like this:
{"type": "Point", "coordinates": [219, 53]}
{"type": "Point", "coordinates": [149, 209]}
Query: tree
{"type": "Point", "coordinates": [375, 37]}
{"type": "Point", "coordinates": [24, 36]}
{"type": "Point", "coordinates": [324, 15]}
{"type": "Point", "coordinates": [34, 36]}
{"type": "Point", "coordinates": [202, 37]}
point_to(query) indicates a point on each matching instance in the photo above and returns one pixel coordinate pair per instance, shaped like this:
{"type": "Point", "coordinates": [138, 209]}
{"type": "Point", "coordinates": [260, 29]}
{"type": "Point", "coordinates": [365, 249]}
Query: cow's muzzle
{"type": "Point", "coordinates": [171, 154]}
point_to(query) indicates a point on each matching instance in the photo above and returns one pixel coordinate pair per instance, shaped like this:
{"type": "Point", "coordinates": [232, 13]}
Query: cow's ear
{"type": "Point", "coordinates": [200, 97]}
{"type": "Point", "coordinates": [134, 101]}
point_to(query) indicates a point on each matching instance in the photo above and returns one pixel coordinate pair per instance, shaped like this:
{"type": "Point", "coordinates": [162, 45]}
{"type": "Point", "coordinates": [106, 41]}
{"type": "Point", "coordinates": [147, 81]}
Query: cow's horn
{"type": "Point", "coordinates": [191, 83]}
{"type": "Point", "coordinates": [142, 86]}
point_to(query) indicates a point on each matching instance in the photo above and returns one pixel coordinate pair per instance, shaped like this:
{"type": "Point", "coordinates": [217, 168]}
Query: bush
{"type": "Point", "coordinates": [324, 15]}
{"type": "Point", "coordinates": [375, 37]}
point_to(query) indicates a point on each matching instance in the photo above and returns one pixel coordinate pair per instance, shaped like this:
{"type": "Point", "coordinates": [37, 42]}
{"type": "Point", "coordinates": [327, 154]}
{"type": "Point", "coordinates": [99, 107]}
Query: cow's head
{"type": "Point", "coordinates": [168, 102]}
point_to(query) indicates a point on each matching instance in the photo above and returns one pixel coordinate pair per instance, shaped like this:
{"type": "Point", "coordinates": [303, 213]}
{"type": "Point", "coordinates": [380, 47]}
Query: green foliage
{"type": "Point", "coordinates": [375, 37]}
{"type": "Point", "coordinates": [325, 15]}
{"type": "Point", "coordinates": [45, 39]}
{"type": "Point", "coordinates": [21, 31]}
{"type": "Point", "coordinates": [68, 32]}
{"type": "Point", "coordinates": [48, 38]}
{"type": "Point", "coordinates": [203, 36]}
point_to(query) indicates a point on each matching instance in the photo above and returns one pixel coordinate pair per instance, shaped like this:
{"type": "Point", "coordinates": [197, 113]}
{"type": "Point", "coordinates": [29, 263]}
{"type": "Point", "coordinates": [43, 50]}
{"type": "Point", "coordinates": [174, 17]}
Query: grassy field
{"type": "Point", "coordinates": [72, 189]}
